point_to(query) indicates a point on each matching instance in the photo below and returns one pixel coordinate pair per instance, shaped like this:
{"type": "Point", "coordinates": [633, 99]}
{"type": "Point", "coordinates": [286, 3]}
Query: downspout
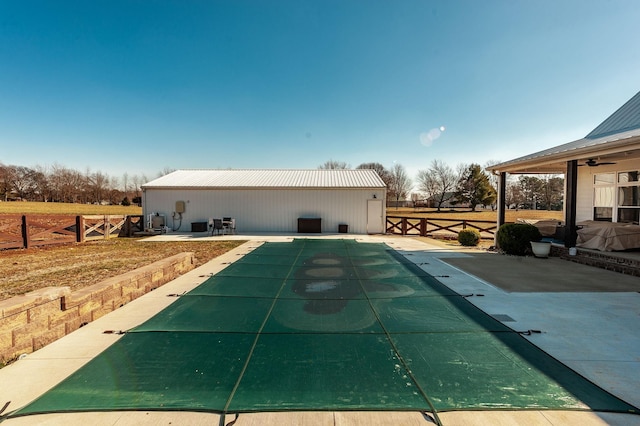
{"type": "Point", "coordinates": [502, 196]}
{"type": "Point", "coordinates": [145, 225]}
{"type": "Point", "coordinates": [571, 230]}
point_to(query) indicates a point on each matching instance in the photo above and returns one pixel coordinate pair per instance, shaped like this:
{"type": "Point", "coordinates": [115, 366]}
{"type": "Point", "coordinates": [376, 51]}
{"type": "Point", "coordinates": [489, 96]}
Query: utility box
{"type": "Point", "coordinates": [343, 228]}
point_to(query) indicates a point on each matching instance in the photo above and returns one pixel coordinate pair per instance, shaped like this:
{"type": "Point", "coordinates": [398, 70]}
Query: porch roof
{"type": "Point", "coordinates": [615, 139]}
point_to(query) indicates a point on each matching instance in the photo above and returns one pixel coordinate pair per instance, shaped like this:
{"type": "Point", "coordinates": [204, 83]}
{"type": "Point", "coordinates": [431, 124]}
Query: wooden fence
{"type": "Point", "coordinates": [24, 231]}
{"type": "Point", "coordinates": [437, 227]}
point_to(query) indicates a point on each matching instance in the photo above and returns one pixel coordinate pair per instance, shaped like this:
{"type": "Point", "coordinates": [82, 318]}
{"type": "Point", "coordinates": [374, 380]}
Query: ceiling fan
{"type": "Point", "coordinates": [594, 163]}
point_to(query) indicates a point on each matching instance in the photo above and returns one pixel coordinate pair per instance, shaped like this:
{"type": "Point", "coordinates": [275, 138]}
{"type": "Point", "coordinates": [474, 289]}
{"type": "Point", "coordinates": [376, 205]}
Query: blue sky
{"type": "Point", "coordinates": [140, 86]}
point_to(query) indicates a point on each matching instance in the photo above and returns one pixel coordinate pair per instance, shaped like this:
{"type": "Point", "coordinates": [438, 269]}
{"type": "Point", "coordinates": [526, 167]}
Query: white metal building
{"type": "Point", "coordinates": [268, 200]}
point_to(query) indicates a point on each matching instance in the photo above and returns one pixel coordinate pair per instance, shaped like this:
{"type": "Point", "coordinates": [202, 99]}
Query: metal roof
{"type": "Point", "coordinates": [267, 178]}
{"type": "Point", "coordinates": [618, 137]}
{"type": "Point", "coordinates": [626, 118]}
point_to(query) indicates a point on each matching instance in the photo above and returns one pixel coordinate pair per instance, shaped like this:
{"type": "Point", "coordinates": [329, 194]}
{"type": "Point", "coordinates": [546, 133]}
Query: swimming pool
{"type": "Point", "coordinates": [323, 325]}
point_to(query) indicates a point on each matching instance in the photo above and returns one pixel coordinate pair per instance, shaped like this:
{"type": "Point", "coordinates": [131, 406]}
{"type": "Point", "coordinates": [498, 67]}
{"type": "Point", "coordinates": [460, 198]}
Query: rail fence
{"type": "Point", "coordinates": [25, 231]}
{"type": "Point", "coordinates": [436, 227]}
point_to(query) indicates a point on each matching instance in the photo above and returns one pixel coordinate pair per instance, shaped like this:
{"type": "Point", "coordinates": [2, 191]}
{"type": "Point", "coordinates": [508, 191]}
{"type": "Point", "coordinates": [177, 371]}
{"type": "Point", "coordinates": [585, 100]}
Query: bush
{"type": "Point", "coordinates": [514, 238]}
{"type": "Point", "coordinates": [469, 237]}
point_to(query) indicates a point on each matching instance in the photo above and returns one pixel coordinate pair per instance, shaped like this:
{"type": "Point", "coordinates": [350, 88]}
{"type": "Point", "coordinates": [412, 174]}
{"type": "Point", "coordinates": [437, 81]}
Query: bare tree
{"type": "Point", "coordinates": [334, 165]}
{"type": "Point", "coordinates": [24, 181]}
{"type": "Point", "coordinates": [60, 184]}
{"type": "Point", "coordinates": [552, 191]}
{"type": "Point", "coordinates": [531, 187]}
{"type": "Point", "coordinates": [400, 184]}
{"type": "Point", "coordinates": [513, 194]}
{"type": "Point", "coordinates": [438, 182]}
{"type": "Point", "coordinates": [125, 183]}
{"type": "Point", "coordinates": [379, 168]}
{"type": "Point", "coordinates": [6, 177]}
{"type": "Point", "coordinates": [166, 171]}
{"type": "Point", "coordinates": [66, 184]}
{"type": "Point", "coordinates": [137, 181]}
{"type": "Point", "coordinates": [97, 186]}
{"type": "Point", "coordinates": [493, 179]}
{"type": "Point", "coordinates": [42, 182]}
{"type": "Point", "coordinates": [384, 174]}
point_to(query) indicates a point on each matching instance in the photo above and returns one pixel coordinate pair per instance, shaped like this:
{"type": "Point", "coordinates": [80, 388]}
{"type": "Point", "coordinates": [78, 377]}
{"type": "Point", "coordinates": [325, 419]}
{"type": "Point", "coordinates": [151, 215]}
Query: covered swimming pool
{"type": "Point", "coordinates": [323, 325]}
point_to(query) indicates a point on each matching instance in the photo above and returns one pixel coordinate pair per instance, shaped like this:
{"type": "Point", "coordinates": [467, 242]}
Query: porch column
{"type": "Point", "coordinates": [571, 234]}
{"type": "Point", "coordinates": [502, 196]}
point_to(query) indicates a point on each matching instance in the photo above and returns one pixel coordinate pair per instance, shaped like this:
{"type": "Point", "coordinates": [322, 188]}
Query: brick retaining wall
{"type": "Point", "coordinates": [603, 260]}
{"type": "Point", "coordinates": [35, 319]}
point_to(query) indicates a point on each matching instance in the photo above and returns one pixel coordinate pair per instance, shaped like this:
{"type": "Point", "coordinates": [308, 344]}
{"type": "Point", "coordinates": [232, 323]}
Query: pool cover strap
{"type": "Point", "coordinates": [323, 325]}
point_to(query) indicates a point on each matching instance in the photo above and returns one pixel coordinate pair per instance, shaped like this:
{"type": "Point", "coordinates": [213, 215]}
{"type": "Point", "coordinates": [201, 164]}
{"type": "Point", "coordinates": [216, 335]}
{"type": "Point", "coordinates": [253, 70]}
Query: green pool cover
{"type": "Point", "coordinates": [323, 325]}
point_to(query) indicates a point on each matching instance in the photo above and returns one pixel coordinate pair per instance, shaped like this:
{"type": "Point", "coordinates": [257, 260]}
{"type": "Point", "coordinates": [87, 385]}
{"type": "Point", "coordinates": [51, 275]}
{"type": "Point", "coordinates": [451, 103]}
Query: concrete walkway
{"type": "Point", "coordinates": [595, 333]}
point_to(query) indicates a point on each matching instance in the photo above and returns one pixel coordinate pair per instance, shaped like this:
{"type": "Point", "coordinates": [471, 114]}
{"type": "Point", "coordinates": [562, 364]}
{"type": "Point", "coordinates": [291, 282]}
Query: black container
{"type": "Point", "coordinates": [309, 225]}
{"type": "Point", "coordinates": [198, 226]}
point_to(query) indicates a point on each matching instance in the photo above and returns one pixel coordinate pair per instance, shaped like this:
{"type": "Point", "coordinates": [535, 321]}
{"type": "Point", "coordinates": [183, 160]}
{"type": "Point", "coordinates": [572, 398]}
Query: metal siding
{"type": "Point", "coordinates": [262, 210]}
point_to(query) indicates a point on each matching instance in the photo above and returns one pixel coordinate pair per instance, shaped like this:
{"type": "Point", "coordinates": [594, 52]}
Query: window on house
{"type": "Point", "coordinates": [603, 196]}
{"type": "Point", "coordinates": [629, 197]}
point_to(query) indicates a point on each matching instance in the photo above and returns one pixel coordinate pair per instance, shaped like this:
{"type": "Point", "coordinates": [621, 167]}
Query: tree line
{"type": "Point", "coordinates": [468, 185]}
{"type": "Point", "coordinates": [61, 184]}
{"type": "Point", "coordinates": [437, 186]}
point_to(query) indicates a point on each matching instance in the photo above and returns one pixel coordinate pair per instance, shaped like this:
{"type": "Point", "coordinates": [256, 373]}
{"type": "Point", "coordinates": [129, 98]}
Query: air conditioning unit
{"type": "Point", "coordinates": [157, 222]}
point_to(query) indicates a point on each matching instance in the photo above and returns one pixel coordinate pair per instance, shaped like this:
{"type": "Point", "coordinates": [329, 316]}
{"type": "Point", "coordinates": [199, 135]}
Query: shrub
{"type": "Point", "coordinates": [469, 237]}
{"type": "Point", "coordinates": [514, 238]}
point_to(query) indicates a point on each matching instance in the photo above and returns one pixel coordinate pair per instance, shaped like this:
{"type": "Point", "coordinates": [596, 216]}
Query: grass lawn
{"type": "Point", "coordinates": [33, 207]}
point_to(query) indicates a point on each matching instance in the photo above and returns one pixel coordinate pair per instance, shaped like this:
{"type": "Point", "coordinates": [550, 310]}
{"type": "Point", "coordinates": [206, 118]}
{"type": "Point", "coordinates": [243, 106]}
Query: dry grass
{"type": "Point", "coordinates": [510, 215]}
{"type": "Point", "coordinates": [33, 207]}
{"type": "Point", "coordinates": [80, 265]}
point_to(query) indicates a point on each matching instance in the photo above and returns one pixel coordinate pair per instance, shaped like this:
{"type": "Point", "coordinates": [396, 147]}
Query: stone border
{"type": "Point", "coordinates": [37, 318]}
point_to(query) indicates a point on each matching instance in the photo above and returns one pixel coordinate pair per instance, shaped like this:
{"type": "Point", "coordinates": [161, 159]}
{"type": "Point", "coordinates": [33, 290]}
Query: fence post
{"type": "Point", "coordinates": [464, 224]}
{"type": "Point", "coordinates": [423, 227]}
{"type": "Point", "coordinates": [25, 232]}
{"type": "Point", "coordinates": [79, 229]}
{"type": "Point", "coordinates": [107, 227]}
{"type": "Point", "coordinates": [404, 226]}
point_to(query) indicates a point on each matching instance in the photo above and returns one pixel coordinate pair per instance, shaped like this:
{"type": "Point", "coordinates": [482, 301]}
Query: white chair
{"type": "Point", "coordinates": [229, 224]}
